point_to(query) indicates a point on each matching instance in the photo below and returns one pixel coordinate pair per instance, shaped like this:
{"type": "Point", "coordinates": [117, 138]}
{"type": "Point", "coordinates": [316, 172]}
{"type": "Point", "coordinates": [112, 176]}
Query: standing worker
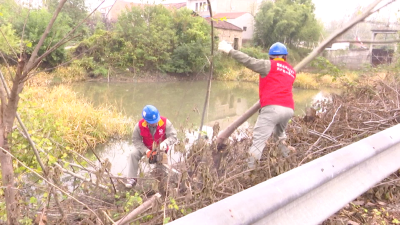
{"type": "Point", "coordinates": [151, 131]}
{"type": "Point", "coordinates": [276, 97]}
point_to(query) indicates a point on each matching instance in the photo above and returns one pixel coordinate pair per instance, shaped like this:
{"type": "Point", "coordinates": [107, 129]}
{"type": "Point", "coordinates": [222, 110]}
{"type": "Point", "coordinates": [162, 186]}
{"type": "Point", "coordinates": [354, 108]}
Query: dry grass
{"type": "Point", "coordinates": [69, 119]}
{"type": "Point", "coordinates": [65, 75]}
{"type": "Point", "coordinates": [303, 80]}
{"type": "Point", "coordinates": [306, 81]}
{"type": "Point", "coordinates": [238, 74]}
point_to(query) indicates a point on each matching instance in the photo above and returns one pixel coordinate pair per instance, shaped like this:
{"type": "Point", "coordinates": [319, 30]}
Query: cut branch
{"type": "Point", "coordinates": [98, 158]}
{"type": "Point", "coordinates": [323, 133]}
{"type": "Point", "coordinates": [142, 208]}
{"type": "Point", "coordinates": [47, 181]}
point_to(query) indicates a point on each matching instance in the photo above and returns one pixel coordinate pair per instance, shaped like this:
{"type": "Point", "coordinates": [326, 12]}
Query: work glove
{"type": "Point", "coordinates": [164, 147]}
{"type": "Point", "coordinates": [151, 155]}
{"type": "Point", "coordinates": [224, 47]}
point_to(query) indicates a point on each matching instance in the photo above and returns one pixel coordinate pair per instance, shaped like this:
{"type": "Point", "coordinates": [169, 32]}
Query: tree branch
{"type": "Point", "coordinates": [34, 54]}
{"type": "Point", "coordinates": [8, 66]}
{"type": "Point", "coordinates": [368, 42]}
{"type": "Point", "coordinates": [27, 76]}
{"type": "Point", "coordinates": [211, 69]}
{"type": "Point", "coordinates": [143, 207]}
{"type": "Point", "coordinates": [23, 32]}
{"type": "Point", "coordinates": [315, 143]}
{"type": "Point", "coordinates": [50, 183]}
{"type": "Point", "coordinates": [98, 158]}
{"type": "Point", "coordinates": [8, 43]}
{"type": "Point", "coordinates": [339, 32]}
{"type": "Point", "coordinates": [63, 40]}
{"type": "Point", "coordinates": [31, 143]}
{"type": "Point", "coordinates": [62, 64]}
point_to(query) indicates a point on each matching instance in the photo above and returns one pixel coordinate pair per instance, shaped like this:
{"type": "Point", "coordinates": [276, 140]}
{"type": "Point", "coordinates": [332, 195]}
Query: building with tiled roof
{"type": "Point", "coordinates": [243, 20]}
{"type": "Point", "coordinates": [228, 32]}
{"type": "Point", "coordinates": [229, 15]}
{"type": "Point", "coordinates": [175, 5]}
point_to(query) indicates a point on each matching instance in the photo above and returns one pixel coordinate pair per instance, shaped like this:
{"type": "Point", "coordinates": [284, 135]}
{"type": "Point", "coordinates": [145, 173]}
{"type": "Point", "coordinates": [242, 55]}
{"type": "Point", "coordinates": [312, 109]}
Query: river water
{"type": "Point", "coordinates": [182, 103]}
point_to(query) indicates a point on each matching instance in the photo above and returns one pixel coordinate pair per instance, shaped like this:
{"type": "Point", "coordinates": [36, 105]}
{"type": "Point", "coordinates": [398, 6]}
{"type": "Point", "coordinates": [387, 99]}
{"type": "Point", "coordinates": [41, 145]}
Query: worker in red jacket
{"type": "Point", "coordinates": [276, 97]}
{"type": "Point", "coordinates": [152, 130]}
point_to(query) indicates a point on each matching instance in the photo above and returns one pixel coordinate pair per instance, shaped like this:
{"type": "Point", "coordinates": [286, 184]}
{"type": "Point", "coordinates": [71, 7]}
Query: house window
{"type": "Point", "coordinates": [201, 7]}
{"type": "Point", "coordinates": [244, 28]}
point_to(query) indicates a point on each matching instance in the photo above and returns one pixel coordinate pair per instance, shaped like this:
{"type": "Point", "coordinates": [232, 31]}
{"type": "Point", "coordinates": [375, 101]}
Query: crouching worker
{"type": "Point", "coordinates": [152, 130]}
{"type": "Point", "coordinates": [276, 97]}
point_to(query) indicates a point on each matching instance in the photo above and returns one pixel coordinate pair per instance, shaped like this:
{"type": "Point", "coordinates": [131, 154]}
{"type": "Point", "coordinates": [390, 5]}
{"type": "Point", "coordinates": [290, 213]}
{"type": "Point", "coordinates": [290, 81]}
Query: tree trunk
{"type": "Point", "coordinates": [7, 172]}
{"type": "Point", "coordinates": [8, 114]}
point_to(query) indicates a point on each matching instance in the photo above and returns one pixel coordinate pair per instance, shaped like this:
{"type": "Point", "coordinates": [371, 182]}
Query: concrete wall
{"type": "Point", "coordinates": [247, 20]}
{"type": "Point", "coordinates": [352, 59]}
{"type": "Point", "coordinates": [229, 36]}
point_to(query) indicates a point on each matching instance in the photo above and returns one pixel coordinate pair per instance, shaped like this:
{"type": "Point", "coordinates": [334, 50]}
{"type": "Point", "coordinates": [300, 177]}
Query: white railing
{"type": "Point", "coordinates": [312, 192]}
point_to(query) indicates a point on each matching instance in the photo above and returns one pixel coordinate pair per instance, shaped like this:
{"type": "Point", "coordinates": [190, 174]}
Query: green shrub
{"type": "Point", "coordinates": [255, 52]}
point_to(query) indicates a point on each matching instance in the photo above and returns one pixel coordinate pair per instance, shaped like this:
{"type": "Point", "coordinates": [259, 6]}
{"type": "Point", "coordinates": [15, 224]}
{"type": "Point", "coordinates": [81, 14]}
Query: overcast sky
{"type": "Point", "coordinates": [328, 10]}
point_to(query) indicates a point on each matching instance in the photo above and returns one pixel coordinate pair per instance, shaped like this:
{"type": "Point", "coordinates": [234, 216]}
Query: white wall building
{"type": "Point", "coordinates": [200, 6]}
{"type": "Point", "coordinates": [219, 6]}
{"type": "Point", "coordinates": [339, 46]}
{"type": "Point", "coordinates": [243, 20]}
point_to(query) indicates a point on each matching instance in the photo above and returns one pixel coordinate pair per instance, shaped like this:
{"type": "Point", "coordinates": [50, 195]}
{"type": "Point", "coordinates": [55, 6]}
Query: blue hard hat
{"type": "Point", "coordinates": [150, 114]}
{"type": "Point", "coordinates": [278, 49]}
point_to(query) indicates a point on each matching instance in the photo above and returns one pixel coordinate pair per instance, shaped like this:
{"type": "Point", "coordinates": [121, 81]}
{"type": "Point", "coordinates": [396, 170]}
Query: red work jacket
{"type": "Point", "coordinates": [159, 136]}
{"type": "Point", "coordinates": [276, 87]}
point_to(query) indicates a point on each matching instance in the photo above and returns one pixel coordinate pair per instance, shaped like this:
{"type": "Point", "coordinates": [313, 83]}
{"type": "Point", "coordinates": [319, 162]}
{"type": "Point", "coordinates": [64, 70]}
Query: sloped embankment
{"type": "Point", "coordinates": [360, 111]}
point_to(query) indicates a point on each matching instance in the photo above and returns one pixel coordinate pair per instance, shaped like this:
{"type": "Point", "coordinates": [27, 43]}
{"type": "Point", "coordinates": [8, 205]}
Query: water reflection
{"type": "Point", "coordinates": [182, 102]}
{"type": "Point", "coordinates": [118, 153]}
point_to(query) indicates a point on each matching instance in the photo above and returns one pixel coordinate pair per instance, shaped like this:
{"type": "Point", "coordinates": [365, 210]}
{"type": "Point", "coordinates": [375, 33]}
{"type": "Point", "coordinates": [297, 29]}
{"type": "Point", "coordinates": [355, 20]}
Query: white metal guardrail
{"type": "Point", "coordinates": [312, 192]}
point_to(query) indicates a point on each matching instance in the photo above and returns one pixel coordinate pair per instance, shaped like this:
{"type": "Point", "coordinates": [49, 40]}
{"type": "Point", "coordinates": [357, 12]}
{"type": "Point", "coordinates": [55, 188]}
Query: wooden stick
{"type": "Point", "coordinates": [142, 208]}
{"type": "Point", "coordinates": [315, 143]}
{"type": "Point", "coordinates": [98, 158]}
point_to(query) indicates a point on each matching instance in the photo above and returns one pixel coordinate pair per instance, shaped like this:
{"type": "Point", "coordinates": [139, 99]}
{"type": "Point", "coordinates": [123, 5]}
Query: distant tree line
{"type": "Point", "coordinates": [151, 37]}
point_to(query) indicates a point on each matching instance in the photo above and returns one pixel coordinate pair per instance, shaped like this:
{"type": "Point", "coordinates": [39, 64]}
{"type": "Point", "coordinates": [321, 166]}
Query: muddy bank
{"type": "Point", "coordinates": [126, 76]}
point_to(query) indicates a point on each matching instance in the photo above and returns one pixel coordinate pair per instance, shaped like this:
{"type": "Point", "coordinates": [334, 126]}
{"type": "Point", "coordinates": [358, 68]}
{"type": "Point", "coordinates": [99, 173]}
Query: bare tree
{"type": "Point", "coordinates": [9, 105]}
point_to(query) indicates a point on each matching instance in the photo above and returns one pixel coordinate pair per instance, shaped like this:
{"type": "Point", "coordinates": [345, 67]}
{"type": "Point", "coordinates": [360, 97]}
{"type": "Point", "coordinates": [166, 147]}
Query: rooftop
{"type": "Point", "coordinates": [224, 25]}
{"type": "Point", "coordinates": [175, 5]}
{"type": "Point", "coordinates": [229, 15]}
